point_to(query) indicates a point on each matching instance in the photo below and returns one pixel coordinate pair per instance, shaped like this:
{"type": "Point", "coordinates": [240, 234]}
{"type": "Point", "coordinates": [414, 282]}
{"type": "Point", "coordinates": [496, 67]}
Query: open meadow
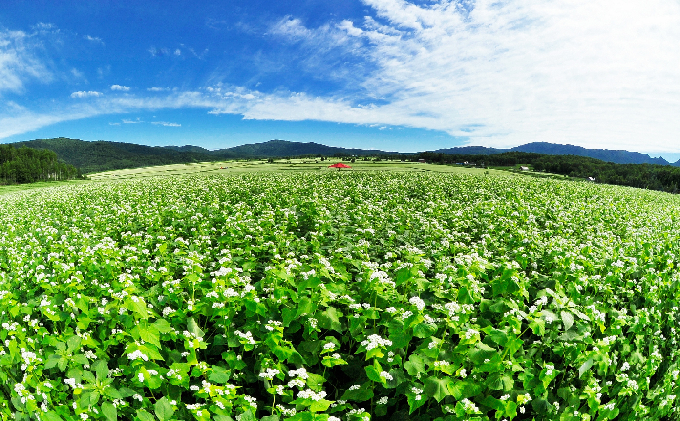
{"type": "Point", "coordinates": [282, 166]}
{"type": "Point", "coordinates": [288, 292]}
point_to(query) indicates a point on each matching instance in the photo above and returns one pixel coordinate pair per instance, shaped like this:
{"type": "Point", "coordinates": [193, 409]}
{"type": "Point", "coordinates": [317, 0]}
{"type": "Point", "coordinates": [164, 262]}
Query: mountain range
{"type": "Point", "coordinates": [94, 156]}
{"type": "Point", "coordinates": [608, 155]}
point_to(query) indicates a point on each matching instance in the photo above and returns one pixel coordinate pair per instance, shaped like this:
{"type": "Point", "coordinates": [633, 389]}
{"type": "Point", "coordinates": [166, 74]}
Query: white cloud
{"type": "Point", "coordinates": [13, 124]}
{"type": "Point", "coordinates": [96, 40]}
{"type": "Point", "coordinates": [86, 94]}
{"type": "Point", "coordinates": [166, 124]}
{"type": "Point", "coordinates": [178, 52]}
{"type": "Point", "coordinates": [597, 74]}
{"type": "Point", "coordinates": [77, 73]}
{"type": "Point", "coordinates": [157, 89]}
{"type": "Point", "coordinates": [128, 121]}
{"type": "Point", "coordinates": [18, 62]}
{"type": "Point", "coordinates": [120, 88]}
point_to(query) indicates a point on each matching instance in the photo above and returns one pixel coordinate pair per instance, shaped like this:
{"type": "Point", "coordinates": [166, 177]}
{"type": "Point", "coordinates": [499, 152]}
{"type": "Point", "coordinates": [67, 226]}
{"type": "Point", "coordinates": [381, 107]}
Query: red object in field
{"type": "Point", "coordinates": [339, 165]}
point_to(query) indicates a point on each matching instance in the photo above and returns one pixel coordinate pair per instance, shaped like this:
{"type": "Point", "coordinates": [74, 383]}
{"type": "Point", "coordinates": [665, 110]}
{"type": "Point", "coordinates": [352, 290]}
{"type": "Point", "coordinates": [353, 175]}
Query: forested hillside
{"type": "Point", "coordinates": [103, 156]}
{"type": "Point", "coordinates": [27, 165]}
{"type": "Point", "coordinates": [646, 176]}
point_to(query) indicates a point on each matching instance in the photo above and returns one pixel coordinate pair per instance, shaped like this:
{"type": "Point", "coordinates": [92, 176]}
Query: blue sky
{"type": "Point", "coordinates": [390, 74]}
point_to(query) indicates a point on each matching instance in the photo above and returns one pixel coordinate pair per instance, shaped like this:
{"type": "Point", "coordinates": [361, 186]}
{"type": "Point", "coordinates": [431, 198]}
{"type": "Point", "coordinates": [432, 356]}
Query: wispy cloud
{"type": "Point", "coordinates": [128, 121]}
{"type": "Point", "coordinates": [166, 124]}
{"type": "Point", "coordinates": [120, 88]}
{"type": "Point", "coordinates": [19, 62]}
{"type": "Point", "coordinates": [590, 73]}
{"type": "Point", "coordinates": [86, 94]}
{"type": "Point", "coordinates": [598, 74]}
{"type": "Point", "coordinates": [77, 73]}
{"type": "Point", "coordinates": [96, 40]}
{"type": "Point", "coordinates": [157, 89]}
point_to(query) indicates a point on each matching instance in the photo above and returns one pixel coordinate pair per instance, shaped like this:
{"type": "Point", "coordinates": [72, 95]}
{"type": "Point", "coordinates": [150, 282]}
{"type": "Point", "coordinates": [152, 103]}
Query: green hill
{"type": "Point", "coordinates": [103, 156]}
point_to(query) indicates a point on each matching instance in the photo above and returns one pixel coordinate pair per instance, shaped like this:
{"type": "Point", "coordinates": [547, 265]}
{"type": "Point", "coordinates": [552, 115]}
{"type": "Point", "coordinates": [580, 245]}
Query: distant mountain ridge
{"type": "Point", "coordinates": [608, 155]}
{"type": "Point", "coordinates": [94, 156]}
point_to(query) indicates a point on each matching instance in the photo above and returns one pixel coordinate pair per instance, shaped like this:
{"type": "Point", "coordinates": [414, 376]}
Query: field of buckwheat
{"type": "Point", "coordinates": [339, 297]}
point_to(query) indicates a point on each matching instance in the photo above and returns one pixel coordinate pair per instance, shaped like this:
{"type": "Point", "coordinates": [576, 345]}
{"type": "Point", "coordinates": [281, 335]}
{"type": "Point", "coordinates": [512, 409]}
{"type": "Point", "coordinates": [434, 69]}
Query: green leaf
{"type": "Point", "coordinates": [219, 375]}
{"type": "Point", "coordinates": [144, 416]}
{"type": "Point", "coordinates": [283, 353]}
{"type": "Point", "coordinates": [113, 393]}
{"type": "Point", "coordinates": [126, 392]}
{"type": "Point", "coordinates": [138, 306]}
{"type": "Point", "coordinates": [494, 403]}
{"type": "Point", "coordinates": [464, 296]}
{"type": "Point", "coordinates": [315, 381]}
{"type": "Point", "coordinates": [88, 376]}
{"type": "Point", "coordinates": [538, 327]}
{"type": "Point", "coordinates": [330, 319]}
{"type": "Point", "coordinates": [149, 333]}
{"type": "Point", "coordinates": [541, 406]}
{"type": "Point", "coordinates": [163, 326]}
{"type": "Point", "coordinates": [414, 403]}
{"type": "Point", "coordinates": [247, 416]}
{"type": "Point", "coordinates": [415, 365]}
{"type": "Point", "coordinates": [494, 382]}
{"type": "Point", "coordinates": [567, 319]}
{"type": "Point", "coordinates": [424, 330]}
{"type": "Point", "coordinates": [88, 399]}
{"type": "Point", "coordinates": [270, 418]}
{"type": "Point", "coordinates": [73, 343]}
{"type": "Point", "coordinates": [437, 388]}
{"type": "Point", "coordinates": [194, 329]}
{"type": "Point", "coordinates": [52, 360]}
{"type": "Point", "coordinates": [163, 409]}
{"type": "Point", "coordinates": [464, 389]}
{"type": "Point", "coordinates": [498, 336]}
{"type": "Point", "coordinates": [305, 306]}
{"type": "Point", "coordinates": [110, 412]}
{"type": "Point", "coordinates": [289, 314]}
{"type": "Point", "coordinates": [51, 416]}
{"type": "Point", "coordinates": [399, 337]}
{"type": "Point", "coordinates": [359, 395]}
{"type": "Point", "coordinates": [312, 283]}
{"type": "Point", "coordinates": [585, 367]}
{"type": "Point", "coordinates": [373, 374]}
{"type": "Point", "coordinates": [80, 359]}
{"type": "Point", "coordinates": [320, 405]}
{"type": "Point", "coordinates": [398, 378]}
{"type": "Point", "coordinates": [101, 368]}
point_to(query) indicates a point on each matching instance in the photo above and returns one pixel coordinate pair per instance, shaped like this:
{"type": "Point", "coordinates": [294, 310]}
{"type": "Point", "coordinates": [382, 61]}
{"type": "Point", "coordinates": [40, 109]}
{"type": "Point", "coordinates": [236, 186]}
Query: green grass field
{"type": "Point", "coordinates": [293, 165]}
{"type": "Point", "coordinates": [241, 167]}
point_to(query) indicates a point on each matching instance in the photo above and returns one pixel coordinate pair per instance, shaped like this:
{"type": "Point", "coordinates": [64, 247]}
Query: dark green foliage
{"type": "Point", "coordinates": [103, 156]}
{"type": "Point", "coordinates": [27, 165]}
{"type": "Point", "coordinates": [646, 176]}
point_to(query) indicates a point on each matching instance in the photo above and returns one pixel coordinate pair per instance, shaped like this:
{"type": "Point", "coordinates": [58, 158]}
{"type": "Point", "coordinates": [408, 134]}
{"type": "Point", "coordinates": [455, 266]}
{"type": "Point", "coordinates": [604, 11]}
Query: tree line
{"type": "Point", "coordinates": [28, 165]}
{"type": "Point", "coordinates": [647, 176]}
